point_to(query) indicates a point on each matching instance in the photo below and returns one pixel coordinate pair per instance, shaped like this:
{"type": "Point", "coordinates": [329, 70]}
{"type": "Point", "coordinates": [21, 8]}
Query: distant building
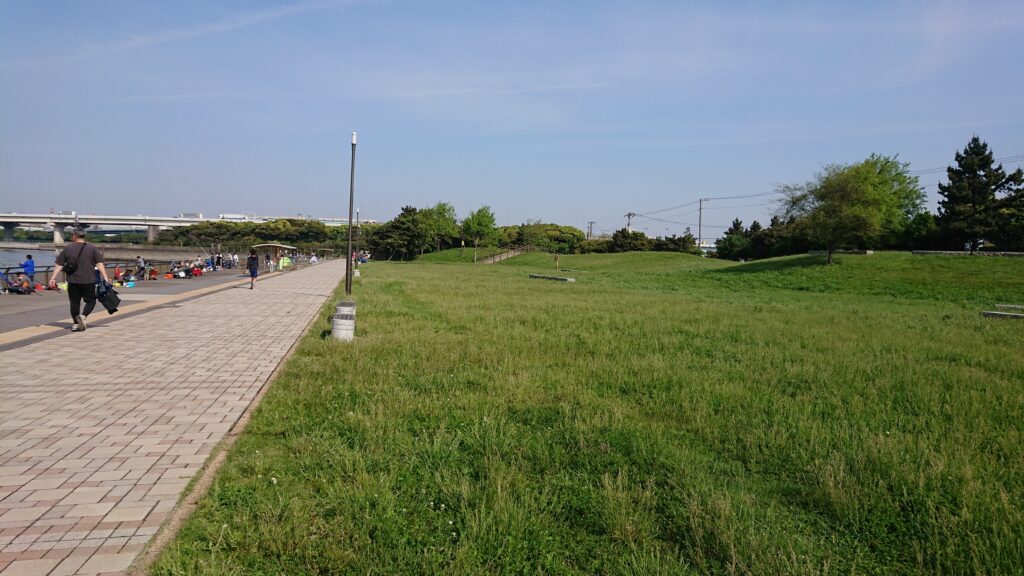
{"type": "Point", "coordinates": [707, 245]}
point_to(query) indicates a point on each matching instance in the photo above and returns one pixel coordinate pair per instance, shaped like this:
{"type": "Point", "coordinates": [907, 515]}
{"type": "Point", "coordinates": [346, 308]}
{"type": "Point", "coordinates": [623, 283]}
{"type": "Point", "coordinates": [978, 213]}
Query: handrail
{"type": "Point", "coordinates": [157, 265]}
{"type": "Point", "coordinates": [504, 253]}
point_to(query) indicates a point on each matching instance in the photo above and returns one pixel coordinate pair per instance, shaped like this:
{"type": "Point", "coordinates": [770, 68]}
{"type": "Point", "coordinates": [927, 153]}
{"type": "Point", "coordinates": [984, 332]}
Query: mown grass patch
{"type": "Point", "coordinates": [665, 414]}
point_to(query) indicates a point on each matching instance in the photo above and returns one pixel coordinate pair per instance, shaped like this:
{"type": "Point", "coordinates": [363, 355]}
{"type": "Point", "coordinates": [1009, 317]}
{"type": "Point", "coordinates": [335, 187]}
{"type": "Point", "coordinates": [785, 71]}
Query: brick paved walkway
{"type": "Point", "coordinates": [93, 459]}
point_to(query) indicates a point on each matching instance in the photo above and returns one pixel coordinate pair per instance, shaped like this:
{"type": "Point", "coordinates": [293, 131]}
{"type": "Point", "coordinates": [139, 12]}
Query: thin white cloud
{"type": "Point", "coordinates": [484, 90]}
{"type": "Point", "coordinates": [227, 23]}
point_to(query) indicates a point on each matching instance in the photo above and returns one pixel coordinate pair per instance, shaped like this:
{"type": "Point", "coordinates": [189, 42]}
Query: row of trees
{"type": "Point", "coordinates": [285, 230]}
{"type": "Point", "coordinates": [874, 204]}
{"type": "Point", "coordinates": [879, 204]}
{"type": "Point", "coordinates": [416, 231]}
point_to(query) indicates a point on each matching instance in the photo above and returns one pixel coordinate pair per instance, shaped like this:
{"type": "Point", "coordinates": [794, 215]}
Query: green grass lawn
{"type": "Point", "coordinates": [665, 414]}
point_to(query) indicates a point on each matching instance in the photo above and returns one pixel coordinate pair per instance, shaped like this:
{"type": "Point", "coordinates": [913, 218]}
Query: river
{"type": "Point", "coordinates": [11, 258]}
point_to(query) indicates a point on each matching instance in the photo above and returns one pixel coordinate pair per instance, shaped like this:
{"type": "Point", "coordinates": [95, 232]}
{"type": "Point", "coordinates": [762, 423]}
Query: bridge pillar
{"type": "Point", "coordinates": [152, 233]}
{"type": "Point", "coordinates": [58, 234]}
{"type": "Point", "coordinates": [9, 231]}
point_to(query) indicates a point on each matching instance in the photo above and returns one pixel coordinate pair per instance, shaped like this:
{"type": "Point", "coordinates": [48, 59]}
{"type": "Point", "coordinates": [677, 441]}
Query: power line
{"type": "Point", "coordinates": [706, 198]}
{"type": "Point", "coordinates": [772, 193]}
{"type": "Point", "coordinates": [677, 222]}
{"type": "Point", "coordinates": [742, 206]}
{"type": "Point", "coordinates": [670, 208]}
{"type": "Point", "coordinates": [941, 169]}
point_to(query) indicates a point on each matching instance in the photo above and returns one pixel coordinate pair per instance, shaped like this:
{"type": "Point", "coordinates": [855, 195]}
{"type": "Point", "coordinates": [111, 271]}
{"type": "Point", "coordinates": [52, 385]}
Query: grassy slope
{"type": "Point", "coordinates": [664, 414]}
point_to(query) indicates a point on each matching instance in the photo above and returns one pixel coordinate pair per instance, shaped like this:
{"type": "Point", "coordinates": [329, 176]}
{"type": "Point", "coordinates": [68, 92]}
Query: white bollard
{"type": "Point", "coordinates": [343, 325]}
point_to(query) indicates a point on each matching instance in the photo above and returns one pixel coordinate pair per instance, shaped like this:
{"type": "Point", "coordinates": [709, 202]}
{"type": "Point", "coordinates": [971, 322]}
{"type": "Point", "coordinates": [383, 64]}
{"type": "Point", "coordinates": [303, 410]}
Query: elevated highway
{"type": "Point", "coordinates": [11, 220]}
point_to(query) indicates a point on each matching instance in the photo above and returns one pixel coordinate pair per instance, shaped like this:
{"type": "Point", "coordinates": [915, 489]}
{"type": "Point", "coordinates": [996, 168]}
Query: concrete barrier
{"type": "Point", "coordinates": [556, 278]}
{"type": "Point", "coordinates": [1006, 315]}
{"type": "Point", "coordinates": [965, 253]}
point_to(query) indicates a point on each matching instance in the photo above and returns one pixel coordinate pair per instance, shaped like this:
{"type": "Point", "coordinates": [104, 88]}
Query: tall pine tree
{"type": "Point", "coordinates": [980, 201]}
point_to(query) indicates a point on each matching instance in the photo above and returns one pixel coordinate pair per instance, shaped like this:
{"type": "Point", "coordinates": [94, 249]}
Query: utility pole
{"type": "Point", "coordinates": [700, 222]}
{"type": "Point", "coordinates": [629, 221]}
{"type": "Point", "coordinates": [358, 230]}
{"type": "Point", "coordinates": [590, 230]}
{"type": "Point", "coordinates": [351, 205]}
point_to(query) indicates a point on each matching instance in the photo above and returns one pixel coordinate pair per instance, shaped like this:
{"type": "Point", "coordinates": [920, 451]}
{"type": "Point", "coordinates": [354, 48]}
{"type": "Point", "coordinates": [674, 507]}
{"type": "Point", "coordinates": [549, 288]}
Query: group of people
{"type": "Point", "coordinates": [83, 265]}
{"type": "Point", "coordinates": [196, 267]}
{"type": "Point", "coordinates": [224, 261]}
{"type": "Point", "coordinates": [25, 281]}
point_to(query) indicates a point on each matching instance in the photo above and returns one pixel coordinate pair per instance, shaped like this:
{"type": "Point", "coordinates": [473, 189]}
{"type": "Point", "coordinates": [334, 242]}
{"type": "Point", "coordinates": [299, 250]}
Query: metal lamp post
{"type": "Point", "coordinates": [351, 205]}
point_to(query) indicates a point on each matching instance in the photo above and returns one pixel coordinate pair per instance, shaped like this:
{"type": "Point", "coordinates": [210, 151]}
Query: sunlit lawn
{"type": "Point", "coordinates": [664, 414]}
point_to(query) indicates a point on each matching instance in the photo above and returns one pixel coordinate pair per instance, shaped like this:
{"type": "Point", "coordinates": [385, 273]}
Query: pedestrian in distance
{"type": "Point", "coordinates": [140, 267]}
{"type": "Point", "coordinates": [252, 263]}
{"type": "Point", "coordinates": [80, 261]}
{"type": "Point", "coordinates": [29, 268]}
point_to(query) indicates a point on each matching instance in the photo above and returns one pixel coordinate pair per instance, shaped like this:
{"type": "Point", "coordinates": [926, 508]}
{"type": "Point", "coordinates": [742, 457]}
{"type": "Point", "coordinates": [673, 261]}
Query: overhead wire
{"type": "Point", "coordinates": [679, 222]}
{"type": "Point", "coordinates": [670, 209]}
{"type": "Point", "coordinates": [941, 169]}
{"type": "Point", "coordinates": [742, 206]}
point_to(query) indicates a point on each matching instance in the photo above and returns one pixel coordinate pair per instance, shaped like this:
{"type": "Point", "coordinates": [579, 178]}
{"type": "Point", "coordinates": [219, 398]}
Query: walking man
{"type": "Point", "coordinates": [140, 267]}
{"type": "Point", "coordinates": [29, 267]}
{"type": "Point", "coordinates": [252, 263]}
{"type": "Point", "coordinates": [80, 261]}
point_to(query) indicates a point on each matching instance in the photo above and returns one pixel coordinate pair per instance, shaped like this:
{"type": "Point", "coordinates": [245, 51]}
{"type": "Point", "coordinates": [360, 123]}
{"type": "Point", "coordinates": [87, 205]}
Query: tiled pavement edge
{"type": "Point", "coordinates": [21, 336]}
{"type": "Point", "coordinates": [101, 431]}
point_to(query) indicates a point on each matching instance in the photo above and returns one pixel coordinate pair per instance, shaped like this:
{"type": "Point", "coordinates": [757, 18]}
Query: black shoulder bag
{"type": "Point", "coordinates": [72, 267]}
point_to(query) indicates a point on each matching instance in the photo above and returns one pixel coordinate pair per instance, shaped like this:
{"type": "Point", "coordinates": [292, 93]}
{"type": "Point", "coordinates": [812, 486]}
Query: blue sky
{"type": "Point", "coordinates": [558, 111]}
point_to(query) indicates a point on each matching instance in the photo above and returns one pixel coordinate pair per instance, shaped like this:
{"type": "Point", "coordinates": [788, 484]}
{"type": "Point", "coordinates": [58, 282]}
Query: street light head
{"type": "Point", "coordinates": [353, 138]}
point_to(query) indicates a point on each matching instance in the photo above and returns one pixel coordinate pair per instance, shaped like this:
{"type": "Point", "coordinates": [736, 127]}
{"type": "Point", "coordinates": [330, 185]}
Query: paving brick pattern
{"type": "Point", "coordinates": [94, 457]}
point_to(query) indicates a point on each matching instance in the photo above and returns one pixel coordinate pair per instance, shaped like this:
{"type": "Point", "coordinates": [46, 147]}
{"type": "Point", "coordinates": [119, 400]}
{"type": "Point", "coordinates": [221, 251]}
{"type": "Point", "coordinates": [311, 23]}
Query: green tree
{"type": "Point", "coordinates": [902, 192]}
{"type": "Point", "coordinates": [1010, 232]}
{"type": "Point", "coordinates": [854, 206]}
{"type": "Point", "coordinates": [630, 241]}
{"type": "Point", "coordinates": [548, 237]}
{"type": "Point", "coordinates": [734, 243]}
{"type": "Point", "coordinates": [594, 246]}
{"type": "Point", "coordinates": [920, 233]}
{"type": "Point", "coordinates": [479, 226]}
{"type": "Point", "coordinates": [439, 224]}
{"type": "Point", "coordinates": [400, 237]}
{"type": "Point", "coordinates": [684, 243]}
{"type": "Point", "coordinates": [980, 201]}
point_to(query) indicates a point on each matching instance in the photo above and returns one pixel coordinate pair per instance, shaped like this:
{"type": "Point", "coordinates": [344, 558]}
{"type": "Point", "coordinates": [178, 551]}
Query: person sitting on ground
{"type": "Point", "coordinates": [21, 284]}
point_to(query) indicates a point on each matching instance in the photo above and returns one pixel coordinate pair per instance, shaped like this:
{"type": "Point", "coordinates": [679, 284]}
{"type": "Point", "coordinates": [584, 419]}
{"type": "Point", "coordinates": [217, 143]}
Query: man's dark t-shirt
{"type": "Point", "coordinates": [252, 263]}
{"type": "Point", "coordinates": [87, 256]}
